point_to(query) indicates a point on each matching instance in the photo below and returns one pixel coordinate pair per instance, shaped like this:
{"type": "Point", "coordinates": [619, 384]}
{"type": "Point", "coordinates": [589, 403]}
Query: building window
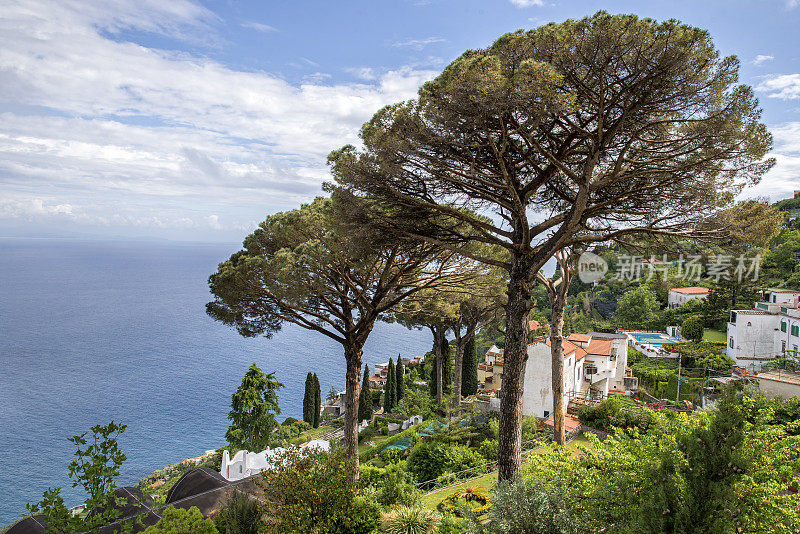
{"type": "Point", "coordinates": [795, 330]}
{"type": "Point", "coordinates": [546, 414]}
{"type": "Point", "coordinates": [783, 326]}
{"type": "Point", "coordinates": [730, 343]}
{"type": "Point", "coordinates": [783, 346]}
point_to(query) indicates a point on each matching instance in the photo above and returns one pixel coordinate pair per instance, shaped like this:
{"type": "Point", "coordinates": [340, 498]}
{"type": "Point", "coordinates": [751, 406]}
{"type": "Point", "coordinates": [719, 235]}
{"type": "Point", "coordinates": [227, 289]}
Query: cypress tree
{"type": "Point", "coordinates": [308, 400]}
{"type": "Point", "coordinates": [433, 377]}
{"type": "Point", "coordinates": [390, 392]}
{"type": "Point", "coordinates": [469, 370]}
{"type": "Point", "coordinates": [317, 402]}
{"type": "Point", "coordinates": [399, 374]}
{"type": "Point", "coordinates": [447, 367]}
{"type": "Point", "coordinates": [365, 398]}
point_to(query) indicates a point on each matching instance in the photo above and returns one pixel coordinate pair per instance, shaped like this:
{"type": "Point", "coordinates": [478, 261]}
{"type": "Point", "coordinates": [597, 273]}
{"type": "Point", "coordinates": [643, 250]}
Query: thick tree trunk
{"type": "Point", "coordinates": [353, 352]}
{"type": "Point", "coordinates": [557, 356]}
{"type": "Point", "coordinates": [515, 356]}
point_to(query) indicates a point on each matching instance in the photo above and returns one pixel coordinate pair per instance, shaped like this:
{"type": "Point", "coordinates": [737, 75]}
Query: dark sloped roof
{"type": "Point", "coordinates": [29, 525]}
{"type": "Point", "coordinates": [196, 481]}
{"type": "Point", "coordinates": [201, 487]}
{"type": "Point", "coordinates": [134, 502]}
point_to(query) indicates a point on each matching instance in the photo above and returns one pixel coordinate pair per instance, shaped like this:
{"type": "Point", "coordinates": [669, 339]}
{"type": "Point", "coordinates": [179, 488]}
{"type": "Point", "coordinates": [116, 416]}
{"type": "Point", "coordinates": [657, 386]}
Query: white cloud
{"type": "Point", "coordinates": [213, 222]}
{"type": "Point", "coordinates": [783, 179]}
{"type": "Point", "coordinates": [419, 44]}
{"type": "Point", "coordinates": [761, 58]}
{"type": "Point", "coordinates": [784, 86]}
{"type": "Point", "coordinates": [265, 28]}
{"type": "Point", "coordinates": [363, 73]}
{"type": "Point", "coordinates": [149, 134]}
{"type": "Point", "coordinates": [527, 3]}
{"type": "Point", "coordinates": [791, 4]}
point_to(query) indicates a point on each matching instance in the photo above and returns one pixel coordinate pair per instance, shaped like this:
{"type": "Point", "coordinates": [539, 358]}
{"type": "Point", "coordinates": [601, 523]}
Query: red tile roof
{"type": "Point", "coordinates": [569, 349]}
{"type": "Point", "coordinates": [599, 347]}
{"type": "Point", "coordinates": [534, 325]}
{"type": "Point", "coordinates": [694, 290]}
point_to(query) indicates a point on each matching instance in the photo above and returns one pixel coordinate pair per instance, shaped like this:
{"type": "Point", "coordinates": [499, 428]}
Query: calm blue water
{"type": "Point", "coordinates": [93, 331]}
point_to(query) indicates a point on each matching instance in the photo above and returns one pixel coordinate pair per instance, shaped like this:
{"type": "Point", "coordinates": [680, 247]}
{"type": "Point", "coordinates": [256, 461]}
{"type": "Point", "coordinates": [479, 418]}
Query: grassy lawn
{"type": "Point", "coordinates": [488, 482]}
{"type": "Point", "coordinates": [714, 335]}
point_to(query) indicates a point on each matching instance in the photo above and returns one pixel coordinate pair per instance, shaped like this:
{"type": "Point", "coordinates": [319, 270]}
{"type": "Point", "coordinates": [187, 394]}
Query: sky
{"type": "Point", "coordinates": [194, 120]}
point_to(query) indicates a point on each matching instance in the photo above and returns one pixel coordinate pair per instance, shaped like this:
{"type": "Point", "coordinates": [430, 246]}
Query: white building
{"type": "Point", "coordinates": [777, 383]}
{"type": "Point", "coordinates": [769, 330]}
{"type": "Point", "coordinates": [678, 296]}
{"type": "Point", "coordinates": [594, 365]}
{"type": "Point", "coordinates": [246, 464]}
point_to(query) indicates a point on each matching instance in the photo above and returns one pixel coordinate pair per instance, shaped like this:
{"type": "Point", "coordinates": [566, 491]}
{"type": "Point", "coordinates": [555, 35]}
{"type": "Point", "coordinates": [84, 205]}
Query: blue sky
{"type": "Point", "coordinates": [192, 120]}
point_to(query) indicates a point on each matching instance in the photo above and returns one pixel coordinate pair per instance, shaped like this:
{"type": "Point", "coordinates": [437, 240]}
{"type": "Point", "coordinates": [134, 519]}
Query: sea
{"type": "Point", "coordinates": [94, 331]}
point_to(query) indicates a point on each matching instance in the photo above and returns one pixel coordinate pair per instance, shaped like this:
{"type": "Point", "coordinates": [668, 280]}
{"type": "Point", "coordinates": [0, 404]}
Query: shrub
{"type": "Point", "coordinates": [363, 517]}
{"type": "Point", "coordinates": [391, 456]}
{"type": "Point", "coordinates": [392, 484]}
{"type": "Point", "coordinates": [473, 500]}
{"type": "Point", "coordinates": [692, 328]}
{"type": "Point", "coordinates": [450, 525]}
{"type": "Point", "coordinates": [522, 507]}
{"type": "Point", "coordinates": [242, 515]}
{"type": "Point", "coordinates": [410, 520]}
{"type": "Point", "coordinates": [530, 428]}
{"type": "Point", "coordinates": [367, 434]}
{"type": "Point", "coordinates": [310, 491]}
{"type": "Point", "coordinates": [432, 459]}
{"type": "Point", "coordinates": [488, 449]}
{"type": "Point", "coordinates": [181, 521]}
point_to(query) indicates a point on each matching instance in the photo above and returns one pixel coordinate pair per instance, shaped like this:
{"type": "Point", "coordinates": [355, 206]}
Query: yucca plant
{"type": "Point", "coordinates": [242, 515]}
{"type": "Point", "coordinates": [411, 520]}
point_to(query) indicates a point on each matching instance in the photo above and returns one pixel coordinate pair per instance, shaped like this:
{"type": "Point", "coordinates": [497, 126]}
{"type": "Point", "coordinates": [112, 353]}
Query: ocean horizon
{"type": "Point", "coordinates": [94, 331]}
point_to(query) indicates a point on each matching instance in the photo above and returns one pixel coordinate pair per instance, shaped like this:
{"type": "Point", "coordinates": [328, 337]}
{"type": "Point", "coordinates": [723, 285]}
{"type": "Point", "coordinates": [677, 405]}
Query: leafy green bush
{"type": "Point", "coordinates": [613, 412]}
{"type": "Point", "coordinates": [692, 328]}
{"type": "Point", "coordinates": [392, 484]}
{"type": "Point", "coordinates": [450, 525]}
{"type": "Point", "coordinates": [313, 491]}
{"type": "Point", "coordinates": [362, 517]}
{"type": "Point", "coordinates": [391, 456]}
{"type": "Point", "coordinates": [488, 449]}
{"type": "Point", "coordinates": [366, 435]}
{"type": "Point", "coordinates": [181, 521]}
{"type": "Point", "coordinates": [522, 507]}
{"type": "Point", "coordinates": [432, 459]}
{"type": "Point", "coordinates": [721, 470]}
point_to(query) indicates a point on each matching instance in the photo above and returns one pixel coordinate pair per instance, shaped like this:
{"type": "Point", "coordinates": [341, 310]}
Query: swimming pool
{"type": "Point", "coordinates": [653, 338]}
